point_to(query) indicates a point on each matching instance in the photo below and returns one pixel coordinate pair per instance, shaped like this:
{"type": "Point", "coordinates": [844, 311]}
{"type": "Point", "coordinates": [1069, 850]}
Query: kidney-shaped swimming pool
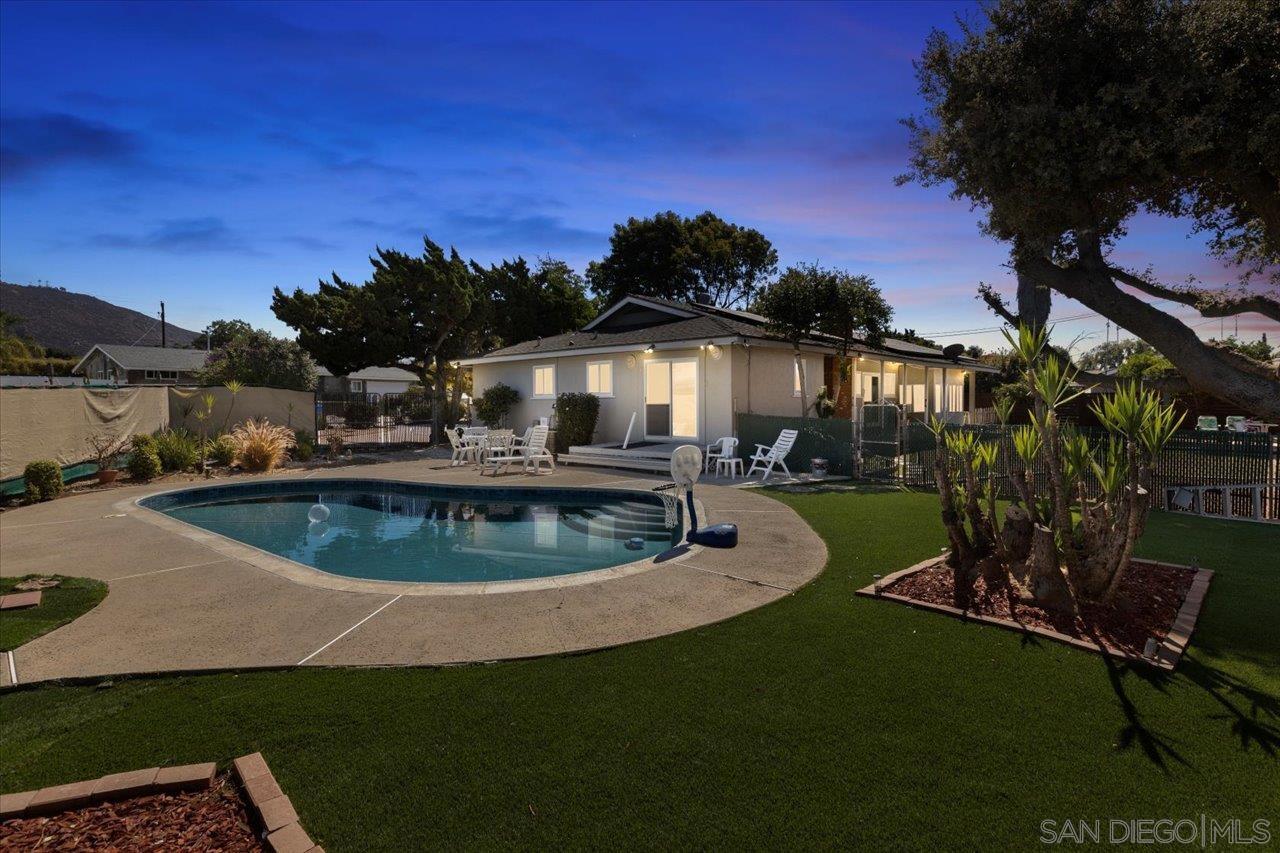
{"type": "Point", "coordinates": [426, 533]}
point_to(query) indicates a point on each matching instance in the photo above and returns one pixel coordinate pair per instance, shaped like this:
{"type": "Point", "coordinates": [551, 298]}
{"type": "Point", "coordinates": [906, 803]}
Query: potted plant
{"type": "Point", "coordinates": [106, 447]}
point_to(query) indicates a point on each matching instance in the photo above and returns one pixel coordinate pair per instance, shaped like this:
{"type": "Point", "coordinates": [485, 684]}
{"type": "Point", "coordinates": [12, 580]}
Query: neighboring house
{"type": "Point", "coordinates": [128, 365]}
{"type": "Point", "coordinates": [685, 370]}
{"type": "Point", "coordinates": [371, 380]}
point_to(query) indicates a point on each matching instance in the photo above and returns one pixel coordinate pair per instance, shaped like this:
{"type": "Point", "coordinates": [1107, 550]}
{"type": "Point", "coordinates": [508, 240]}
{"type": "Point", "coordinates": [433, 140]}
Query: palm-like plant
{"type": "Point", "coordinates": [1040, 548]}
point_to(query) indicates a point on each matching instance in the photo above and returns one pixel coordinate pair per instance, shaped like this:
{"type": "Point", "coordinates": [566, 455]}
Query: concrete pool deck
{"type": "Point", "coordinates": [177, 602]}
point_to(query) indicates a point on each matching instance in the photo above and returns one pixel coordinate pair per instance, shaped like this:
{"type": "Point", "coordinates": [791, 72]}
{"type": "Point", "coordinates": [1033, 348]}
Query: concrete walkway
{"type": "Point", "coordinates": [180, 603]}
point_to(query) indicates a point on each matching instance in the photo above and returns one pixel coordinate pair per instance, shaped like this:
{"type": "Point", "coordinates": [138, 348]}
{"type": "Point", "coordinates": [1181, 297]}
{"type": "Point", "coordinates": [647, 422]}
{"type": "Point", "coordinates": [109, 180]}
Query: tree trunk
{"type": "Point", "coordinates": [1207, 368]}
{"type": "Point", "coordinates": [1048, 586]}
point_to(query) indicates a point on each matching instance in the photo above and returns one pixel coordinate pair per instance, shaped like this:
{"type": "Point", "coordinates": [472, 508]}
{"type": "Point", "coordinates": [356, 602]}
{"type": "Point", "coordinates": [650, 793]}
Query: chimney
{"type": "Point", "coordinates": [701, 297]}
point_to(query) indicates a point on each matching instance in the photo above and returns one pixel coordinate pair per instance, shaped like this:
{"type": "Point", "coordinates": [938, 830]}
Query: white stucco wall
{"type": "Point", "coordinates": [715, 387]}
{"type": "Point", "coordinates": [764, 380]}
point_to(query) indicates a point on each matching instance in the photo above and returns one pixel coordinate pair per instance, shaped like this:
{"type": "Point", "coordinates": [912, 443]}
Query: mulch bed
{"type": "Point", "coordinates": [211, 819]}
{"type": "Point", "coordinates": [1146, 605]}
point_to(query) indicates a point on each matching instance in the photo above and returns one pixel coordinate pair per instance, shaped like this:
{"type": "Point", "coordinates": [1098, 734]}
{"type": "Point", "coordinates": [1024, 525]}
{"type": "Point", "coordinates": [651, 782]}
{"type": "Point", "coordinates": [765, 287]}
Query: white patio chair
{"type": "Point", "coordinates": [462, 453]}
{"type": "Point", "coordinates": [534, 453]}
{"type": "Point", "coordinates": [522, 440]}
{"type": "Point", "coordinates": [720, 449]}
{"type": "Point", "coordinates": [766, 457]}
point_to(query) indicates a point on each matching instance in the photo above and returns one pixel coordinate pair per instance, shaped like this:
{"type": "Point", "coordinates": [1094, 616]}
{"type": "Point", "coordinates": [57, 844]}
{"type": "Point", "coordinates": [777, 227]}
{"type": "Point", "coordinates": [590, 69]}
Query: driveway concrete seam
{"type": "Point", "coordinates": [173, 569]}
{"type": "Point", "coordinates": [349, 630]}
{"type": "Point", "coordinates": [737, 578]}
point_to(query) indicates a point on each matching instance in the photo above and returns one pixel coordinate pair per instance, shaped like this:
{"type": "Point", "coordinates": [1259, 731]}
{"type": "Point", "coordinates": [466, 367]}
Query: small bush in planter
{"type": "Point", "coordinates": [144, 464]}
{"type": "Point", "coordinates": [178, 450]}
{"type": "Point", "coordinates": [493, 406]}
{"type": "Point", "coordinates": [576, 416]}
{"type": "Point", "coordinates": [305, 445]}
{"type": "Point", "coordinates": [222, 450]}
{"type": "Point", "coordinates": [44, 480]}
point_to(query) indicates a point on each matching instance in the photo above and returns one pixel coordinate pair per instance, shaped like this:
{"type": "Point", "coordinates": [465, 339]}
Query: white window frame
{"type": "Point", "coordinates": [162, 375]}
{"type": "Point", "coordinates": [535, 395]}
{"type": "Point", "coordinates": [607, 363]}
{"type": "Point", "coordinates": [795, 369]}
{"type": "Point", "coordinates": [357, 386]}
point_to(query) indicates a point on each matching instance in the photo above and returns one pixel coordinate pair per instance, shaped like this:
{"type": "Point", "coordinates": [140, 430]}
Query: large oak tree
{"type": "Point", "coordinates": [1064, 120]}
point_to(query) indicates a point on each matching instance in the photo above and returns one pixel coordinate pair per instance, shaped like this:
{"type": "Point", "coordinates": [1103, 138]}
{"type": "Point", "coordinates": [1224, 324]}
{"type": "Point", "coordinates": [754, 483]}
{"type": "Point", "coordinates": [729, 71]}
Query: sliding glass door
{"type": "Point", "coordinates": [671, 399]}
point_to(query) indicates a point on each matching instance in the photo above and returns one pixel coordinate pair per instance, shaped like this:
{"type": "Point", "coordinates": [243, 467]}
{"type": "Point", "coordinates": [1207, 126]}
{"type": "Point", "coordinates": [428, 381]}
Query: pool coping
{"type": "Point", "coordinates": [305, 575]}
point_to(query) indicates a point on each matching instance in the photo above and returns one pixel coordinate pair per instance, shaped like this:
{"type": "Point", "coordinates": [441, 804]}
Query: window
{"type": "Point", "coordinates": [357, 386]}
{"type": "Point", "coordinates": [544, 381]}
{"type": "Point", "coordinates": [795, 388]}
{"type": "Point", "coordinates": [163, 375]}
{"type": "Point", "coordinates": [600, 378]}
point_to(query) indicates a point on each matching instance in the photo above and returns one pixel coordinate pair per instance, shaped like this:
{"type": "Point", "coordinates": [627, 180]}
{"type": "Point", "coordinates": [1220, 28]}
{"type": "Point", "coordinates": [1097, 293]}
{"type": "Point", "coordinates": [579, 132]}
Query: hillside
{"type": "Point", "coordinates": [70, 323]}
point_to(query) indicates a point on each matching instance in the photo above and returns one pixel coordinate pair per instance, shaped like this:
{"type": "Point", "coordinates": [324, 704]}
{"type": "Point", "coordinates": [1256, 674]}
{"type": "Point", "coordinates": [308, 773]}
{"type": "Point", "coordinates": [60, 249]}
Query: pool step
{"type": "Point", "coordinates": [596, 521]}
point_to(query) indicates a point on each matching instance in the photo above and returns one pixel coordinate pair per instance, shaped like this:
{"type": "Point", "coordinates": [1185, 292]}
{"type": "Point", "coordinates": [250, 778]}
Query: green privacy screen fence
{"type": "Point", "coordinates": [826, 438]}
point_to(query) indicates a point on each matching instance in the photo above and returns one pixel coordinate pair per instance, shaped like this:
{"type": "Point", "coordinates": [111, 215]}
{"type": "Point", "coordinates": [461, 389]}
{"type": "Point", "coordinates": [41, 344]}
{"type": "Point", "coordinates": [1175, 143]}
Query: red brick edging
{"type": "Point", "coordinates": [1167, 655]}
{"type": "Point", "coordinates": [273, 807]}
{"type": "Point", "coordinates": [266, 801]}
{"type": "Point", "coordinates": [115, 786]}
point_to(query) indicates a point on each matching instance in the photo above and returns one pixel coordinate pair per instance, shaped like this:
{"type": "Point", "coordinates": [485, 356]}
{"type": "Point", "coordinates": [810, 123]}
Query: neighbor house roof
{"type": "Point", "coordinates": [668, 322]}
{"type": "Point", "coordinates": [385, 374]}
{"type": "Point", "coordinates": [148, 358]}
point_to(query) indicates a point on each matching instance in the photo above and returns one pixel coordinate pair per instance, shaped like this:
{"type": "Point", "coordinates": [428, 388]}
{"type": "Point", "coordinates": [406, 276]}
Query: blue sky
{"type": "Point", "coordinates": [205, 153]}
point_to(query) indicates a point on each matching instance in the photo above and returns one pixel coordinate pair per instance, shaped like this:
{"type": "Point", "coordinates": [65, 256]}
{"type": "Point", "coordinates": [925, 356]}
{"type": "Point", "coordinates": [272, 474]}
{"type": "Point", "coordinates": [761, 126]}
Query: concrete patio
{"type": "Point", "coordinates": [178, 603]}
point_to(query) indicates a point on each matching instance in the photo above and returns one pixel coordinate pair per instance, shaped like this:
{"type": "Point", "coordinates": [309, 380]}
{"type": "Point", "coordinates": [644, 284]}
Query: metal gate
{"type": "Point", "coordinates": [377, 420]}
{"type": "Point", "coordinates": [880, 440]}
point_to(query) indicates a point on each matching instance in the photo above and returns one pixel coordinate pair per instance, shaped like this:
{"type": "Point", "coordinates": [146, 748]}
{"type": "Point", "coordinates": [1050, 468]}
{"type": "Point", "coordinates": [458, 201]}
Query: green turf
{"type": "Point", "coordinates": [58, 606]}
{"type": "Point", "coordinates": [822, 720]}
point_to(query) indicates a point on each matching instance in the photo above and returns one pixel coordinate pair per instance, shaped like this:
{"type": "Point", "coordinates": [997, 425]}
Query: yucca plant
{"type": "Point", "coordinates": [1039, 547]}
{"type": "Point", "coordinates": [261, 445]}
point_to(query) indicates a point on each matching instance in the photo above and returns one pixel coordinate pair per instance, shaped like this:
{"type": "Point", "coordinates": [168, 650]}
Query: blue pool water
{"type": "Point", "coordinates": [383, 530]}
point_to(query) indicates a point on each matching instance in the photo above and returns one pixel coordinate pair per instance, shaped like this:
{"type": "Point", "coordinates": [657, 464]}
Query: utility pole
{"type": "Point", "coordinates": [163, 342]}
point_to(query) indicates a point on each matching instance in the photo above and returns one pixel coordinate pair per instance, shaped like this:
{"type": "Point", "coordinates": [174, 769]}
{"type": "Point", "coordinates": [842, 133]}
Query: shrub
{"type": "Point", "coordinates": [576, 416]}
{"type": "Point", "coordinates": [144, 441]}
{"type": "Point", "coordinates": [144, 464]}
{"type": "Point", "coordinates": [177, 449]}
{"type": "Point", "coordinates": [221, 450]}
{"type": "Point", "coordinates": [493, 406]}
{"type": "Point", "coordinates": [361, 414]}
{"type": "Point", "coordinates": [261, 445]}
{"type": "Point", "coordinates": [44, 480]}
{"type": "Point", "coordinates": [305, 445]}
{"type": "Point", "coordinates": [336, 444]}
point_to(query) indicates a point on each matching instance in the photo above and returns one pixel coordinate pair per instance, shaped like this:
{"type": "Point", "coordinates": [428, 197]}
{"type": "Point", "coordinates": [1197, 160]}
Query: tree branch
{"type": "Point", "coordinates": [1209, 369]}
{"type": "Point", "coordinates": [996, 303]}
{"type": "Point", "coordinates": [1208, 303]}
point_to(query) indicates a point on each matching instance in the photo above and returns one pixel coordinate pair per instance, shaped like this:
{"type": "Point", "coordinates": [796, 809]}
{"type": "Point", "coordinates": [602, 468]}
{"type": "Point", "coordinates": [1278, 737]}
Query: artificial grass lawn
{"type": "Point", "coordinates": [58, 606]}
{"type": "Point", "coordinates": [823, 719]}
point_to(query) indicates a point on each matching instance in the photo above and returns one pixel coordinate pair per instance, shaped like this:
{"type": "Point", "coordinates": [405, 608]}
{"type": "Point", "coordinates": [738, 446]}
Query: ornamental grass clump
{"type": "Point", "coordinates": [1078, 507]}
{"type": "Point", "coordinates": [261, 445]}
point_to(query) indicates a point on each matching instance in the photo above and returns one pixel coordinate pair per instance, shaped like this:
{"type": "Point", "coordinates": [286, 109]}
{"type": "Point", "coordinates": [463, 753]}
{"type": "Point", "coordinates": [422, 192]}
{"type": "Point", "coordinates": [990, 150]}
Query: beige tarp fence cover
{"type": "Point", "coordinates": [251, 402]}
{"type": "Point", "coordinates": [56, 423]}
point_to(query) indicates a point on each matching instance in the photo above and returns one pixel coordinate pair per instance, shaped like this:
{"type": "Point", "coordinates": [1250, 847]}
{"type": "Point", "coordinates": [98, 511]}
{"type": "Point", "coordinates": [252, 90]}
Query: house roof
{"type": "Point", "coordinates": [677, 322]}
{"type": "Point", "coordinates": [385, 374]}
{"type": "Point", "coordinates": [148, 358]}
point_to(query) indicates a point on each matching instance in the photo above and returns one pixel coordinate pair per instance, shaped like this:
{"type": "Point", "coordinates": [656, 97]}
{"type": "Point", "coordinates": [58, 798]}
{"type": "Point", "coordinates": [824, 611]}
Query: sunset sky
{"type": "Point", "coordinates": [203, 154]}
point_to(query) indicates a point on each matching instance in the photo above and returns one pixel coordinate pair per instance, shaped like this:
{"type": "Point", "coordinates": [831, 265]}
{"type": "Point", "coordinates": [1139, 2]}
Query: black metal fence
{"type": "Point", "coordinates": [1190, 458]}
{"type": "Point", "coordinates": [379, 420]}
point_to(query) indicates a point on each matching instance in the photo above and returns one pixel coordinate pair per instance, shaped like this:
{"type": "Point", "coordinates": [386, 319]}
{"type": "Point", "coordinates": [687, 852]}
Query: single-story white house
{"type": "Point", "coordinates": [685, 370]}
{"type": "Point", "coordinates": [370, 380]}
